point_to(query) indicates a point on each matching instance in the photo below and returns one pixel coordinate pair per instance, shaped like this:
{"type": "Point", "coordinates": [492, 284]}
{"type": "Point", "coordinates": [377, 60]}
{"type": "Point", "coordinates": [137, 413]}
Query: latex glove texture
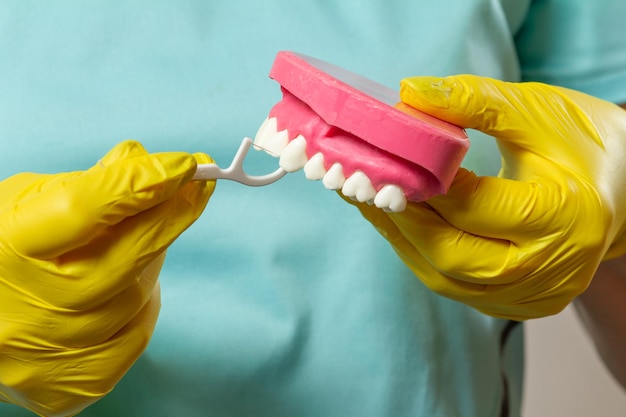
{"type": "Point", "coordinates": [526, 243]}
{"type": "Point", "coordinates": [80, 255]}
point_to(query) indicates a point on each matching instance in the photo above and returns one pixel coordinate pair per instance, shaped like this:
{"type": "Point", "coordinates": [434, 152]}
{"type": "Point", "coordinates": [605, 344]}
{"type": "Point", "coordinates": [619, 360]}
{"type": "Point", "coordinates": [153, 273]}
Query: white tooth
{"type": "Point", "coordinates": [314, 169]}
{"type": "Point", "coordinates": [293, 157]}
{"type": "Point", "coordinates": [359, 186]}
{"type": "Point", "coordinates": [334, 178]}
{"type": "Point", "coordinates": [390, 198]}
{"type": "Point", "coordinates": [267, 129]}
{"type": "Point", "coordinates": [269, 139]}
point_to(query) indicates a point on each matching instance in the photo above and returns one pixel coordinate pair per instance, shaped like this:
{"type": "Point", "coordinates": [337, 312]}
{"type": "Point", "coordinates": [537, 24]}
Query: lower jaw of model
{"type": "Point", "coordinates": [295, 134]}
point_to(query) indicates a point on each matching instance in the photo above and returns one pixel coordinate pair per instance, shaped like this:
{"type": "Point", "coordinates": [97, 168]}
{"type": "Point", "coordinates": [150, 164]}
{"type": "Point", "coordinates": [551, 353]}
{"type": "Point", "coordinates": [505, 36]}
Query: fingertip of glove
{"type": "Point", "coordinates": [152, 177]}
{"type": "Point", "coordinates": [123, 150]}
{"type": "Point", "coordinates": [200, 191]}
{"type": "Point", "coordinates": [202, 158]}
{"type": "Point", "coordinates": [463, 187]}
{"type": "Point", "coordinates": [425, 92]}
{"type": "Point", "coordinates": [176, 164]}
{"type": "Point", "coordinates": [209, 185]}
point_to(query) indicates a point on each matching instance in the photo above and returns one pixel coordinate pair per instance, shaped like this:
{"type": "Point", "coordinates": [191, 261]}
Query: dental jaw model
{"type": "Point", "coordinates": [353, 135]}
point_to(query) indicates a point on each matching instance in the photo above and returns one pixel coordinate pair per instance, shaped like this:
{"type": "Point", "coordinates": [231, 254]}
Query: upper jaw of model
{"type": "Point", "coordinates": [303, 140]}
{"type": "Point", "coordinates": [355, 135]}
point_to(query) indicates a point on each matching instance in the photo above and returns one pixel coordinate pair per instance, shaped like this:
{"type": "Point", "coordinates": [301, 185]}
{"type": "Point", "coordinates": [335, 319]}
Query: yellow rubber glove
{"type": "Point", "coordinates": [80, 254]}
{"type": "Point", "coordinates": [525, 244]}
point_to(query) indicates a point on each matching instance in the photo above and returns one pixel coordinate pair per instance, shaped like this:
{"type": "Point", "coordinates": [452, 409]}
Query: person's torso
{"type": "Point", "coordinates": [281, 300]}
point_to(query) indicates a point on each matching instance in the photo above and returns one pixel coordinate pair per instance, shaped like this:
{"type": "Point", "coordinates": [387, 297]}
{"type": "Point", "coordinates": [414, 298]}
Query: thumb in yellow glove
{"type": "Point", "coordinates": [524, 244]}
{"type": "Point", "coordinates": [80, 254]}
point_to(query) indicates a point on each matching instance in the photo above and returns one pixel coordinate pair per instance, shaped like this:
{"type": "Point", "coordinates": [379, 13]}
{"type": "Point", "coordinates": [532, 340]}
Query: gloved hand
{"type": "Point", "coordinates": [524, 244]}
{"type": "Point", "coordinates": [80, 254]}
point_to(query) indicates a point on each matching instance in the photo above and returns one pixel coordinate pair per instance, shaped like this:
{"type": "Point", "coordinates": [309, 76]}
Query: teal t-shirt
{"type": "Point", "coordinates": [282, 301]}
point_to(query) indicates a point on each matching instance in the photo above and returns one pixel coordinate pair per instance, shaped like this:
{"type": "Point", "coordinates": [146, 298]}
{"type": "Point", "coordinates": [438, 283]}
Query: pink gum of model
{"type": "Point", "coordinates": [362, 125]}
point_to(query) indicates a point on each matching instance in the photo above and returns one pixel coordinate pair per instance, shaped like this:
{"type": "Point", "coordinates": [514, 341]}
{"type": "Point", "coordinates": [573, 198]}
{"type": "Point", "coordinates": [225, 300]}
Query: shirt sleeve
{"type": "Point", "coordinates": [578, 44]}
